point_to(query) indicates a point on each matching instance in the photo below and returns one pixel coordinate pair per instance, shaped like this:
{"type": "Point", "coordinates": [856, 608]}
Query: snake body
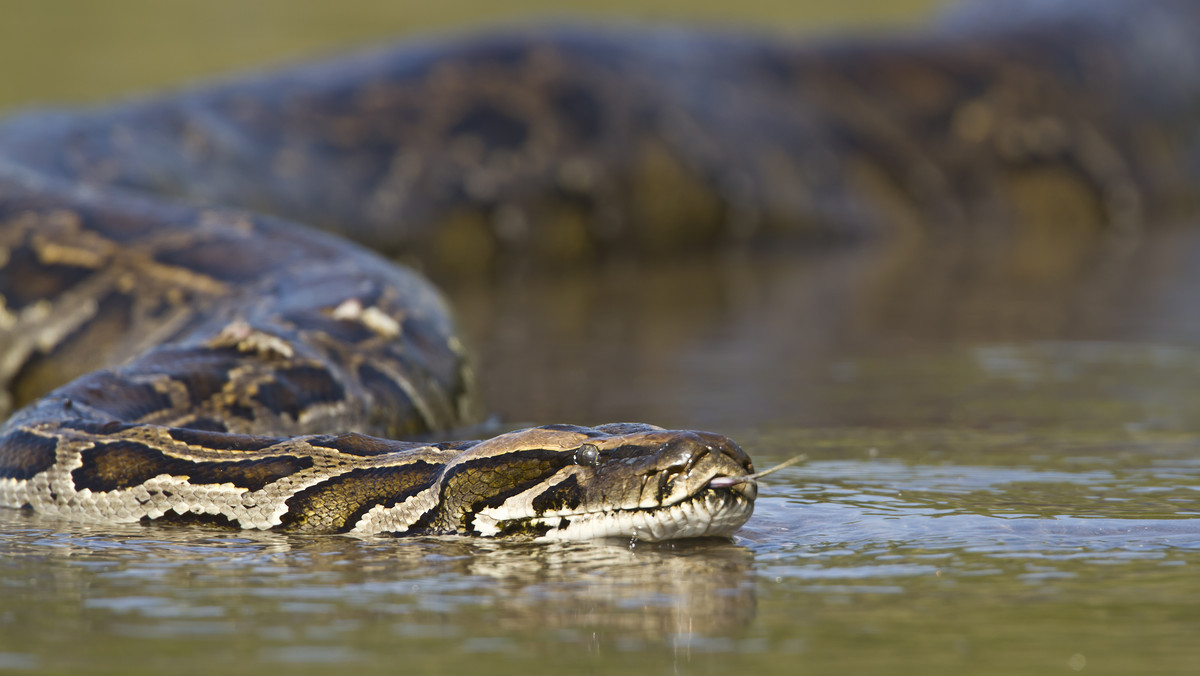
{"type": "Point", "coordinates": [264, 334]}
{"type": "Point", "coordinates": [174, 356]}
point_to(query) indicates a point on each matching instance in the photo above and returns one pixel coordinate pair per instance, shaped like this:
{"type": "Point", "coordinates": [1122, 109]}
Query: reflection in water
{"type": "Point", "coordinates": [650, 591]}
{"type": "Point", "coordinates": [275, 591]}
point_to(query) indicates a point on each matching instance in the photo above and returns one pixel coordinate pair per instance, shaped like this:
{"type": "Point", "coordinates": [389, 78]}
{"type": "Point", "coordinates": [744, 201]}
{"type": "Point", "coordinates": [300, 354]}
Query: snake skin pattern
{"type": "Point", "coordinates": [173, 354]}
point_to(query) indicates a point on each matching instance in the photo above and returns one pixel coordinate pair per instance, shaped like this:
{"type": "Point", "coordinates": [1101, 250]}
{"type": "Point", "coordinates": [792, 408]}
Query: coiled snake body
{"type": "Point", "coordinates": [173, 361]}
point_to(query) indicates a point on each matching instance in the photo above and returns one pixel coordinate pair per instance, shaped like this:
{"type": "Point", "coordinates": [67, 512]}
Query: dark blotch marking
{"type": "Point", "coordinates": [25, 280]}
{"type": "Point", "coordinates": [119, 397]}
{"type": "Point", "coordinates": [456, 445]}
{"type": "Point", "coordinates": [203, 372]}
{"type": "Point", "coordinates": [426, 345]}
{"type": "Point", "coordinates": [381, 385]}
{"type": "Point", "coordinates": [497, 129]}
{"type": "Point", "coordinates": [24, 455]}
{"type": "Point", "coordinates": [228, 260]}
{"type": "Point", "coordinates": [338, 504]}
{"type": "Point", "coordinates": [502, 52]}
{"type": "Point", "coordinates": [627, 451]}
{"type": "Point", "coordinates": [297, 388]}
{"type": "Point", "coordinates": [342, 330]}
{"type": "Point", "coordinates": [392, 405]}
{"type": "Point", "coordinates": [362, 445]}
{"type": "Point", "coordinates": [225, 442]}
{"type": "Point", "coordinates": [579, 111]}
{"type": "Point", "coordinates": [240, 411]}
{"type": "Point", "coordinates": [423, 525]}
{"type": "Point", "coordinates": [129, 225]}
{"type": "Point", "coordinates": [123, 464]}
{"type": "Point", "coordinates": [207, 424]}
{"type": "Point", "coordinates": [773, 64]}
{"type": "Point", "coordinates": [523, 528]}
{"type": "Point", "coordinates": [566, 495]}
{"type": "Point", "coordinates": [97, 427]}
{"type": "Point", "coordinates": [190, 519]}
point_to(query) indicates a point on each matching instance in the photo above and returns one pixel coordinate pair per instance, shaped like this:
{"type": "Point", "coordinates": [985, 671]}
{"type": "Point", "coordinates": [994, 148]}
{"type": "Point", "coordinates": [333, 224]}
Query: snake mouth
{"type": "Point", "coordinates": [711, 512]}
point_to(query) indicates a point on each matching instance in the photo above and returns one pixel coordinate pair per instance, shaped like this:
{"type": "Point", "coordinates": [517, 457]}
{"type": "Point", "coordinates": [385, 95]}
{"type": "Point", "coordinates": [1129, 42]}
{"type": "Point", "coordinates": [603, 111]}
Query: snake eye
{"type": "Point", "coordinates": [587, 454]}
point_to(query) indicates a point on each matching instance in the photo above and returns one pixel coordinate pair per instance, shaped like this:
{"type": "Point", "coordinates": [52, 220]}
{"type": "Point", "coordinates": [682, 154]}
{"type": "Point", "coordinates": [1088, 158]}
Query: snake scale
{"type": "Point", "coordinates": [174, 354]}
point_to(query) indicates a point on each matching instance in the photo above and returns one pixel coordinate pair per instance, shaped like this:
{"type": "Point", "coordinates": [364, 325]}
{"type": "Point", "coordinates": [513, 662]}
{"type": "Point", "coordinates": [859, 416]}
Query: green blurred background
{"type": "Point", "coordinates": [71, 51]}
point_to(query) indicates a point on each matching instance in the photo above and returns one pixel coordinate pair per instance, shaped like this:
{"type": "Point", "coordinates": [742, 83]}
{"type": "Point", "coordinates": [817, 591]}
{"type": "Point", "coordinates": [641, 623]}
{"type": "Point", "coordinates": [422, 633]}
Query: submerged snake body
{"type": "Point", "coordinates": [232, 345]}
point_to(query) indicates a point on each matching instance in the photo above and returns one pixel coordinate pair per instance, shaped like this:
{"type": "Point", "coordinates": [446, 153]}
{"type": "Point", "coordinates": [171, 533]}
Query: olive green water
{"type": "Point", "coordinates": [1003, 473]}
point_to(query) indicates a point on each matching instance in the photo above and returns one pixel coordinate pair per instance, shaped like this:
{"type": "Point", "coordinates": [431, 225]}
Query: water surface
{"type": "Point", "coordinates": [1026, 504]}
{"type": "Point", "coordinates": [973, 553]}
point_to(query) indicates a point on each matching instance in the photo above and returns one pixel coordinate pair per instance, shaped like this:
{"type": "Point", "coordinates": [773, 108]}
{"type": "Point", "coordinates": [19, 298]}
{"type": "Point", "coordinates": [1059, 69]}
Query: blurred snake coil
{"type": "Point", "coordinates": [178, 348]}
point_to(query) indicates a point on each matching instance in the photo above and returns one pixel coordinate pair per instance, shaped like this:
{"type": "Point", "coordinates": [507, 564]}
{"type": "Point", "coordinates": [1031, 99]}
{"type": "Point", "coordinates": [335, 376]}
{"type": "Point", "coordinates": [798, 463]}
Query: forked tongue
{"type": "Point", "coordinates": [727, 481]}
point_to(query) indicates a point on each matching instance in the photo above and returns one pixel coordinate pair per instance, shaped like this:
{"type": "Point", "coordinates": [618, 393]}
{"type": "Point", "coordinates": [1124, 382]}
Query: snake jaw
{"type": "Point", "coordinates": [747, 490]}
{"type": "Point", "coordinates": [711, 513]}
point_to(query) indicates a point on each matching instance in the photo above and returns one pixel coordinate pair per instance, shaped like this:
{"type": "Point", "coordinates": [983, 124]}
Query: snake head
{"type": "Point", "coordinates": [622, 480]}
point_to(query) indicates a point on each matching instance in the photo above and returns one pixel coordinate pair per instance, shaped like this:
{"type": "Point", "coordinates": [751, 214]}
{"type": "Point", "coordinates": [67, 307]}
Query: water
{"type": "Point", "coordinates": [862, 560]}
{"type": "Point", "coordinates": [982, 494]}
{"type": "Point", "coordinates": [1003, 473]}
